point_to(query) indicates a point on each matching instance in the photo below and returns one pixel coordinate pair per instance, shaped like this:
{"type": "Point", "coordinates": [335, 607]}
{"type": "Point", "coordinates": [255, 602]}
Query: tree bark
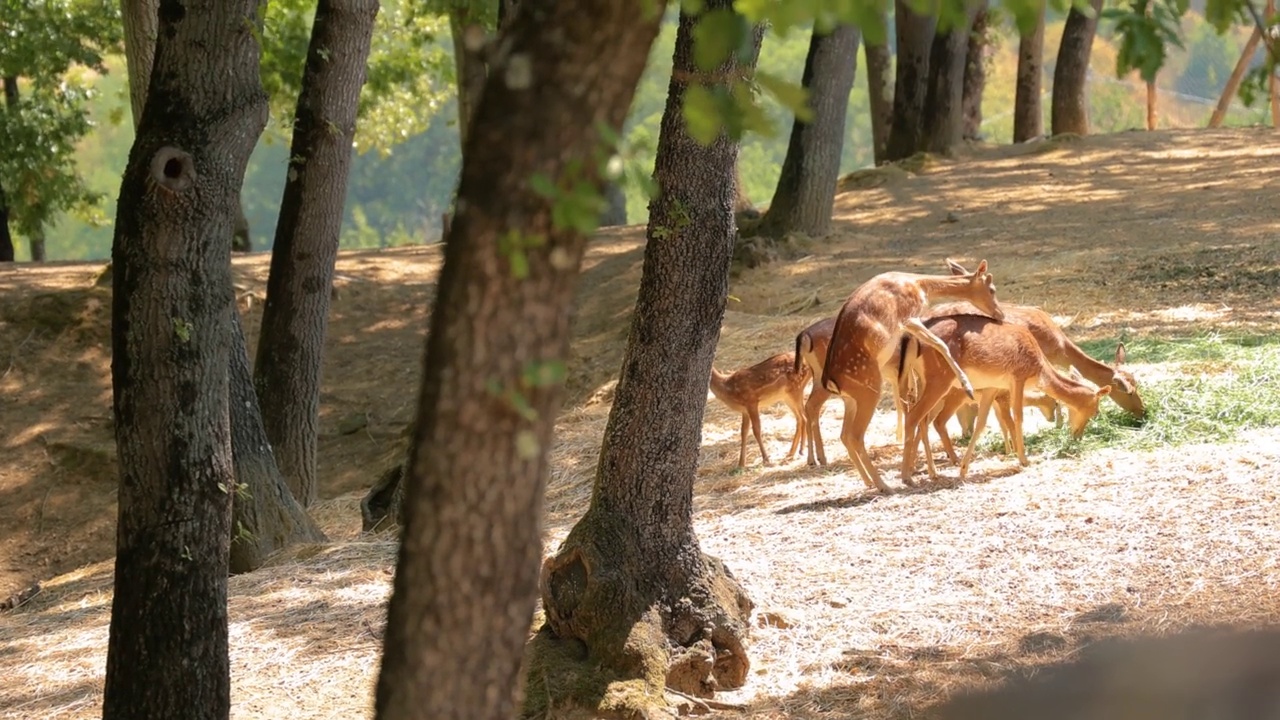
{"type": "Point", "coordinates": [36, 245]}
{"type": "Point", "coordinates": [467, 575]}
{"type": "Point", "coordinates": [295, 318]}
{"type": "Point", "coordinates": [265, 516]}
{"type": "Point", "coordinates": [805, 194]}
{"type": "Point", "coordinates": [1233, 82]}
{"type": "Point", "coordinates": [6, 240]}
{"type": "Point", "coordinates": [975, 76]}
{"type": "Point", "coordinates": [140, 17]}
{"type": "Point", "coordinates": [470, 70]}
{"type": "Point", "coordinates": [1028, 122]}
{"type": "Point", "coordinates": [167, 647]}
{"type": "Point", "coordinates": [629, 594]}
{"type": "Point", "coordinates": [1069, 109]}
{"type": "Point", "coordinates": [914, 34]}
{"type": "Point", "coordinates": [943, 127]}
{"type": "Point", "coordinates": [615, 212]}
{"type": "Point", "coordinates": [880, 95]}
{"type": "Point", "coordinates": [742, 205]}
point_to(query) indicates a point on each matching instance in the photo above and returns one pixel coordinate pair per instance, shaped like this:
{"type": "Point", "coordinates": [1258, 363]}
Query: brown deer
{"type": "Point", "coordinates": [866, 335]}
{"type": "Point", "coordinates": [956, 400]}
{"type": "Point", "coordinates": [1059, 349]}
{"type": "Point", "coordinates": [812, 344]}
{"type": "Point", "coordinates": [775, 379]}
{"type": "Point", "coordinates": [996, 356]}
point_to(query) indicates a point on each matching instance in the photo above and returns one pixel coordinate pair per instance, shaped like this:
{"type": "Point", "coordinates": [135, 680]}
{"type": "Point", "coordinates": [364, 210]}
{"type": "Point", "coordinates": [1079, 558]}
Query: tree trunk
{"type": "Point", "coordinates": [36, 241]}
{"type": "Point", "coordinates": [240, 235]}
{"type": "Point", "coordinates": [470, 70]}
{"type": "Point", "coordinates": [167, 647]}
{"type": "Point", "coordinates": [805, 195]}
{"type": "Point", "coordinates": [1069, 111]}
{"type": "Point", "coordinates": [629, 595]}
{"type": "Point", "coordinates": [467, 573]}
{"type": "Point", "coordinates": [615, 212]}
{"type": "Point", "coordinates": [880, 94]}
{"type": "Point", "coordinates": [742, 205]}
{"type": "Point", "coordinates": [139, 18]}
{"type": "Point", "coordinates": [6, 240]}
{"type": "Point", "coordinates": [975, 76]}
{"type": "Point", "coordinates": [1028, 122]}
{"type": "Point", "coordinates": [943, 127]}
{"type": "Point", "coordinates": [36, 244]}
{"type": "Point", "coordinates": [915, 41]}
{"type": "Point", "coordinates": [295, 318]}
{"type": "Point", "coordinates": [1233, 82]}
{"type": "Point", "coordinates": [266, 517]}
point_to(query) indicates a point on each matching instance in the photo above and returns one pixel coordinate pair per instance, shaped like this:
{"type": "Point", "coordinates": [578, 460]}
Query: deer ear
{"type": "Point", "coordinates": [1120, 355]}
{"type": "Point", "coordinates": [982, 268]}
{"type": "Point", "coordinates": [1104, 390]}
{"type": "Point", "coordinates": [956, 268]}
{"type": "Point", "coordinates": [1122, 383]}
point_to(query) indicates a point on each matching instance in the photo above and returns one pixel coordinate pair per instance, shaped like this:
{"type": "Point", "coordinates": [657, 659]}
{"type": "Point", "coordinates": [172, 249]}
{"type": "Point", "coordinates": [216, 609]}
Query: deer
{"type": "Point", "coordinates": [775, 379]}
{"type": "Point", "coordinates": [1059, 349]}
{"type": "Point", "coordinates": [866, 335]}
{"type": "Point", "coordinates": [997, 356]}
{"type": "Point", "coordinates": [956, 400]}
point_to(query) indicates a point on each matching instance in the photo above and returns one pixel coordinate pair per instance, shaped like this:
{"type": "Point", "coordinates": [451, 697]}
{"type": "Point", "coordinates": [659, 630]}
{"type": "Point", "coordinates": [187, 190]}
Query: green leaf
{"type": "Point", "coordinates": [702, 114]}
{"type": "Point", "coordinates": [790, 95]}
{"type": "Point", "coordinates": [716, 37]}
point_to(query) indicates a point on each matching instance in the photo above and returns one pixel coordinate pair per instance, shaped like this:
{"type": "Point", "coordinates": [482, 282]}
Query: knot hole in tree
{"type": "Point", "coordinates": [173, 169]}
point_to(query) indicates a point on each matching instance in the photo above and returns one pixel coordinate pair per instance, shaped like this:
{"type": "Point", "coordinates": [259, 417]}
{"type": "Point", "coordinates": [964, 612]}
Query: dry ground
{"type": "Point", "coordinates": [887, 604]}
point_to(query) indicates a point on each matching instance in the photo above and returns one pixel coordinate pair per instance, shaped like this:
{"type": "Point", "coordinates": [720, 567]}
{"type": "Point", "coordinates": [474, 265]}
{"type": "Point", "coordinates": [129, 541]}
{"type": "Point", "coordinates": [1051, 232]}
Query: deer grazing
{"type": "Point", "coordinates": [866, 335]}
{"type": "Point", "coordinates": [776, 379]}
{"type": "Point", "coordinates": [997, 356]}
{"type": "Point", "coordinates": [955, 401]}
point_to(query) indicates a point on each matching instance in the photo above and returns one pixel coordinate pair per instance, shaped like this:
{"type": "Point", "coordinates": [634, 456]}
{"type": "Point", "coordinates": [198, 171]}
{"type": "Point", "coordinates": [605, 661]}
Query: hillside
{"type": "Point", "coordinates": [880, 606]}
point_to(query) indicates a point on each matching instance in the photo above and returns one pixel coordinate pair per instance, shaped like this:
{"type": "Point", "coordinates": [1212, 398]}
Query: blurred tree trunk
{"type": "Point", "coordinates": [266, 517]}
{"type": "Point", "coordinates": [805, 194]}
{"type": "Point", "coordinates": [171, 285]}
{"type": "Point", "coordinates": [975, 76]}
{"type": "Point", "coordinates": [295, 317]}
{"type": "Point", "coordinates": [139, 18]}
{"type": "Point", "coordinates": [914, 43]}
{"type": "Point", "coordinates": [1069, 111]}
{"type": "Point", "coordinates": [469, 65]}
{"type": "Point", "coordinates": [6, 240]}
{"type": "Point", "coordinates": [466, 579]}
{"type": "Point", "coordinates": [615, 212]}
{"type": "Point", "coordinates": [1028, 122]}
{"type": "Point", "coordinates": [742, 204]}
{"type": "Point", "coordinates": [880, 95]}
{"type": "Point", "coordinates": [36, 240]}
{"type": "Point", "coordinates": [943, 127]}
{"type": "Point", "coordinates": [630, 592]}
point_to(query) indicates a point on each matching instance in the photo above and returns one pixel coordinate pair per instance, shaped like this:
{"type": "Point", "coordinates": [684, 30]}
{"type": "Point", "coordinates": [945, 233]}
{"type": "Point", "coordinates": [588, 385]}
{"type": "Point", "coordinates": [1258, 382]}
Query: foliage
{"type": "Point", "coordinates": [55, 47]}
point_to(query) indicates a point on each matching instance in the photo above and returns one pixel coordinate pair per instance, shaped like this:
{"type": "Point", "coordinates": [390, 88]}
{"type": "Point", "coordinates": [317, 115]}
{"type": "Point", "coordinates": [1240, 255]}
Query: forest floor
{"type": "Point", "coordinates": [880, 606]}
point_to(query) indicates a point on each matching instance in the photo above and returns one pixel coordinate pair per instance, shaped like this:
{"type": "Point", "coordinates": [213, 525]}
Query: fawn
{"type": "Point", "coordinates": [776, 379]}
{"type": "Point", "coordinates": [997, 356]}
{"type": "Point", "coordinates": [866, 335]}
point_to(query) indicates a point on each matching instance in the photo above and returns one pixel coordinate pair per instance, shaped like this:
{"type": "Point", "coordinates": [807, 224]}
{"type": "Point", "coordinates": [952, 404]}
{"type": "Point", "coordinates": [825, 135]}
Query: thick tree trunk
{"type": "Point", "coordinates": [265, 517]}
{"type": "Point", "coordinates": [1028, 122]}
{"type": "Point", "coordinates": [167, 647]}
{"type": "Point", "coordinates": [742, 205]}
{"type": "Point", "coordinates": [140, 19]}
{"type": "Point", "coordinates": [880, 95]}
{"type": "Point", "coordinates": [630, 586]}
{"type": "Point", "coordinates": [470, 69]}
{"type": "Point", "coordinates": [915, 41]}
{"type": "Point", "coordinates": [1069, 111]}
{"type": "Point", "coordinates": [6, 240]}
{"type": "Point", "coordinates": [805, 195]}
{"type": "Point", "coordinates": [295, 318]}
{"type": "Point", "coordinates": [943, 127]}
{"type": "Point", "coordinates": [975, 76]}
{"type": "Point", "coordinates": [615, 212]}
{"type": "Point", "coordinates": [467, 573]}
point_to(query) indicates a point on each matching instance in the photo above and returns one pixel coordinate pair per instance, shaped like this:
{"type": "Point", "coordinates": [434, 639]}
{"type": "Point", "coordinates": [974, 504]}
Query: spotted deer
{"type": "Point", "coordinates": [775, 379]}
{"type": "Point", "coordinates": [866, 335]}
{"type": "Point", "coordinates": [956, 400]}
{"type": "Point", "coordinates": [996, 356]}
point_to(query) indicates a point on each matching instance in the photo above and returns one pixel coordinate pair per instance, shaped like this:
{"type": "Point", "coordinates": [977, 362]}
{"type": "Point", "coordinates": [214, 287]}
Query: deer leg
{"type": "Point", "coordinates": [984, 409]}
{"type": "Point", "coordinates": [742, 441]}
{"type": "Point", "coordinates": [916, 427]}
{"type": "Point", "coordinates": [966, 414]}
{"type": "Point", "coordinates": [1005, 421]}
{"type": "Point", "coordinates": [813, 419]}
{"type": "Point", "coordinates": [755, 430]}
{"type": "Point", "coordinates": [855, 432]}
{"type": "Point", "coordinates": [798, 440]}
{"type": "Point", "coordinates": [942, 414]}
{"type": "Point", "coordinates": [1019, 440]}
{"type": "Point", "coordinates": [916, 329]}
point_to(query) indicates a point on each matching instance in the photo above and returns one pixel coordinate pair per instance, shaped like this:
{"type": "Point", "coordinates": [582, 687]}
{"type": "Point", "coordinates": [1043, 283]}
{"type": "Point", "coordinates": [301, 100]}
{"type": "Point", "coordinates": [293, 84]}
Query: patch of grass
{"type": "Point", "coordinates": [1207, 347]}
{"type": "Point", "coordinates": [1225, 385]}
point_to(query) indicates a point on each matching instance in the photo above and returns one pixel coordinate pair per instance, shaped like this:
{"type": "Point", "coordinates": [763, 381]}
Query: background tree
{"type": "Point", "coordinates": [1028, 120]}
{"type": "Point", "coordinates": [6, 241]}
{"type": "Point", "coordinates": [915, 33]}
{"type": "Point", "coordinates": [1069, 108]}
{"type": "Point", "coordinates": [295, 317]}
{"type": "Point", "coordinates": [41, 125]}
{"type": "Point", "coordinates": [975, 73]}
{"type": "Point", "coordinates": [880, 93]}
{"type": "Point", "coordinates": [943, 123]}
{"type": "Point", "coordinates": [528, 196]}
{"type": "Point", "coordinates": [167, 647]}
{"type": "Point", "coordinates": [805, 195]}
{"type": "Point", "coordinates": [630, 583]}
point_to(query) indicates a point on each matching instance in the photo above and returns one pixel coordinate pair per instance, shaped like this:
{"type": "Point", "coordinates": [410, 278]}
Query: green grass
{"type": "Point", "coordinates": [1222, 385]}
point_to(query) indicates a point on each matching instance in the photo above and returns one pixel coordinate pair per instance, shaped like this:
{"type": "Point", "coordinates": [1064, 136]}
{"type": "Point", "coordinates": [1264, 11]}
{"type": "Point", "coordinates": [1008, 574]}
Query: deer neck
{"type": "Point", "coordinates": [938, 287]}
{"type": "Point", "coordinates": [1064, 389]}
{"type": "Point", "coordinates": [1095, 371]}
{"type": "Point", "coordinates": [718, 381]}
